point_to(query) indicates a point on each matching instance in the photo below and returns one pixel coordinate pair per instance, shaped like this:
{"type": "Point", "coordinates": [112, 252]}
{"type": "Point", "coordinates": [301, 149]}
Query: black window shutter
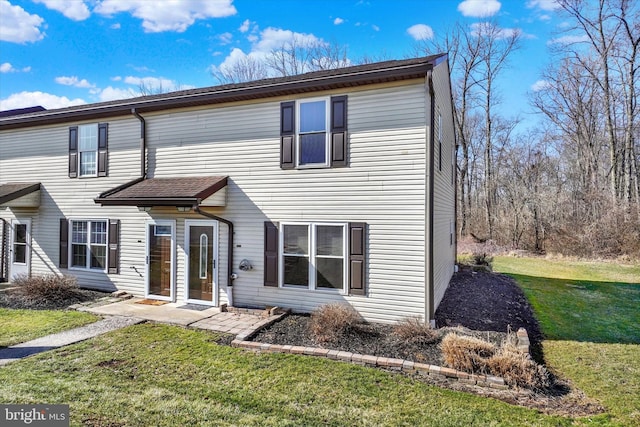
{"type": "Point", "coordinates": [270, 253]}
{"type": "Point", "coordinates": [64, 243]}
{"type": "Point", "coordinates": [73, 152]}
{"type": "Point", "coordinates": [287, 135]}
{"type": "Point", "coordinates": [114, 246]}
{"type": "Point", "coordinates": [102, 148]}
{"type": "Point", "coordinates": [339, 145]}
{"type": "Point", "coordinates": [357, 257]}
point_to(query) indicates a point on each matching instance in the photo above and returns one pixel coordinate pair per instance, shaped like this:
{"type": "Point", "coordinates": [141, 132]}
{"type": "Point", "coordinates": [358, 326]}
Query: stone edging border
{"type": "Point", "coordinates": [400, 365]}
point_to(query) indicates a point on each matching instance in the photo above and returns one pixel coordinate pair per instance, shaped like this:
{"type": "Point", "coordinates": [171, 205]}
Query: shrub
{"type": "Point", "coordinates": [329, 322]}
{"type": "Point", "coordinates": [518, 369]}
{"type": "Point", "coordinates": [413, 329]}
{"type": "Point", "coordinates": [46, 290]}
{"type": "Point", "coordinates": [466, 354]}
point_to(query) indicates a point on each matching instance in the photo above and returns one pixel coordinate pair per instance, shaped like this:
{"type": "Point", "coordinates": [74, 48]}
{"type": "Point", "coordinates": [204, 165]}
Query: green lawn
{"type": "Point", "coordinates": [23, 325]}
{"type": "Point", "coordinates": [590, 311]}
{"type": "Point", "coordinates": [159, 375]}
{"type": "Point", "coordinates": [580, 301]}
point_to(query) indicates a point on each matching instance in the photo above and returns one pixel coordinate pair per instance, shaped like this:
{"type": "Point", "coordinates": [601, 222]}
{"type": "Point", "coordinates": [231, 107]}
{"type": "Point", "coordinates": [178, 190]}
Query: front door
{"type": "Point", "coordinates": [20, 248]}
{"type": "Point", "coordinates": [160, 261]}
{"type": "Point", "coordinates": [201, 251]}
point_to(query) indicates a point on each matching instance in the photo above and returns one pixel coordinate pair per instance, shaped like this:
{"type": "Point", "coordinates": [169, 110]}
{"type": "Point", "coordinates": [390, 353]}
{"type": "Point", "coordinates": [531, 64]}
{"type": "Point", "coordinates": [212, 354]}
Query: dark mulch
{"type": "Point", "coordinates": [12, 298]}
{"type": "Point", "coordinates": [477, 303]}
{"type": "Point", "coordinates": [485, 301]}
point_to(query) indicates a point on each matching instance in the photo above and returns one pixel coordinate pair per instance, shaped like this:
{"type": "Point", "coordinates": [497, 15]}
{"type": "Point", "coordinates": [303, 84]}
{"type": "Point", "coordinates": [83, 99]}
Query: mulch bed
{"type": "Point", "coordinates": [9, 298]}
{"type": "Point", "coordinates": [477, 303]}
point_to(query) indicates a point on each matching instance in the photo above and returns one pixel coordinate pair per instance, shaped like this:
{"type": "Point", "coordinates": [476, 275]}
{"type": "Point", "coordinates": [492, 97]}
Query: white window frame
{"type": "Point", "coordinates": [327, 132]}
{"type": "Point", "coordinates": [312, 254]}
{"type": "Point", "coordinates": [88, 244]}
{"type": "Point", "coordinates": [80, 151]}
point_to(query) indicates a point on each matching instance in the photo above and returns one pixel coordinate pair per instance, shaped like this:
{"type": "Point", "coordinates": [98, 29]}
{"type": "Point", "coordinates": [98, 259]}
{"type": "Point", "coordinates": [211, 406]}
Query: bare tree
{"type": "Point", "coordinates": [246, 69]}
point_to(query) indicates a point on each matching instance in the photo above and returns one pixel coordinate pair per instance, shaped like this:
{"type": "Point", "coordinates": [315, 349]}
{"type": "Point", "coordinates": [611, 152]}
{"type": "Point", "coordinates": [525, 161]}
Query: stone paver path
{"type": "Point", "coordinates": [240, 324]}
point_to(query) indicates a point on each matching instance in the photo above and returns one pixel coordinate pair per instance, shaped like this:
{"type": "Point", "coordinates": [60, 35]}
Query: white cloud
{"type": "Point", "coordinates": [72, 9]}
{"type": "Point", "coordinates": [74, 81]}
{"type": "Point", "coordinates": [420, 32]}
{"type": "Point", "coordinates": [338, 21]}
{"type": "Point", "coordinates": [31, 99]}
{"type": "Point", "coordinates": [479, 8]}
{"type": "Point", "coordinates": [225, 38]}
{"type": "Point", "coordinates": [375, 27]}
{"type": "Point", "coordinates": [274, 38]}
{"type": "Point", "coordinates": [159, 16]}
{"type": "Point", "coordinates": [245, 26]}
{"type": "Point", "coordinates": [116, 79]}
{"type": "Point", "coordinates": [116, 26]}
{"type": "Point", "coordinates": [18, 26]}
{"type": "Point", "coordinates": [540, 85]}
{"type": "Point", "coordinates": [111, 94]}
{"type": "Point", "coordinates": [567, 40]}
{"type": "Point", "coordinates": [7, 67]}
{"type": "Point", "coordinates": [548, 5]}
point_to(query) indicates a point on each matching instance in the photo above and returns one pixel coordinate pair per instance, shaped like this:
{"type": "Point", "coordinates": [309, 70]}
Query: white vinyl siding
{"type": "Point", "coordinates": [384, 186]}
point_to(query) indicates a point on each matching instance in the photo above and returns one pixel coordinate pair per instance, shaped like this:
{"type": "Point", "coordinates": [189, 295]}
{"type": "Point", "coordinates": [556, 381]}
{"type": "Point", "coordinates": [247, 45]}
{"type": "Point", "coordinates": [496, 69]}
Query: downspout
{"type": "Point", "coordinates": [230, 274]}
{"type": "Point", "coordinates": [430, 243]}
{"type": "Point", "coordinates": [143, 143]}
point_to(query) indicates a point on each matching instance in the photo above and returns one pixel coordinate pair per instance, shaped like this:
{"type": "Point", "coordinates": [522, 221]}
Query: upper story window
{"type": "Point", "coordinates": [313, 133]}
{"type": "Point", "coordinates": [88, 150]}
{"type": "Point", "coordinates": [313, 143]}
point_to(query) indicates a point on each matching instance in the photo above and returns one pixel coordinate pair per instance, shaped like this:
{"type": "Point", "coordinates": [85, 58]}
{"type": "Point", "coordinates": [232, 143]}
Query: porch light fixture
{"type": "Point", "coordinates": [184, 208]}
{"type": "Point", "coordinates": [144, 208]}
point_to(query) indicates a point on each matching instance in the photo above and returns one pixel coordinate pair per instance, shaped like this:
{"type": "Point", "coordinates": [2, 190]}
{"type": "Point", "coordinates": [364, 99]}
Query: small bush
{"type": "Point", "coordinates": [46, 290]}
{"type": "Point", "coordinates": [331, 321]}
{"type": "Point", "coordinates": [414, 330]}
{"type": "Point", "coordinates": [518, 369]}
{"type": "Point", "coordinates": [466, 354]}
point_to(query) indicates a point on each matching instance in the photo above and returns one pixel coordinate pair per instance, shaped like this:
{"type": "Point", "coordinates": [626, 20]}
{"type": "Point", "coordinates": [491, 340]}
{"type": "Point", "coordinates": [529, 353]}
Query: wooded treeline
{"type": "Point", "coordinates": [571, 185]}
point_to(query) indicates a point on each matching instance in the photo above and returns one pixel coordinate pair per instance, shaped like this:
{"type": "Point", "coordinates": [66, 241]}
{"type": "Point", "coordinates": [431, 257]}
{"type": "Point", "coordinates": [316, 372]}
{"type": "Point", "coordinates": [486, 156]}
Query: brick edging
{"type": "Point", "coordinates": [399, 365]}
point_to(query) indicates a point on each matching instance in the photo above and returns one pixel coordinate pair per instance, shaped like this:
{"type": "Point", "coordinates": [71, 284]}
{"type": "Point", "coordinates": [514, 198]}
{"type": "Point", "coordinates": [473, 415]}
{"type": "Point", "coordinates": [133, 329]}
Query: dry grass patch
{"type": "Point", "coordinates": [468, 354]}
{"type": "Point", "coordinates": [477, 356]}
{"type": "Point", "coordinates": [329, 322]}
{"type": "Point", "coordinates": [415, 330]}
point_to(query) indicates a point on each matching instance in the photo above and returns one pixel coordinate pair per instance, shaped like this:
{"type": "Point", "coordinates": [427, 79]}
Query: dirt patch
{"type": "Point", "coordinates": [481, 304]}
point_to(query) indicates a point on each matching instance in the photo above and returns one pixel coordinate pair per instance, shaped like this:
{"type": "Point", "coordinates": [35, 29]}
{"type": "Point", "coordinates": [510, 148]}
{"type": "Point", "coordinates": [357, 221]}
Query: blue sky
{"type": "Point", "coordinates": [57, 53]}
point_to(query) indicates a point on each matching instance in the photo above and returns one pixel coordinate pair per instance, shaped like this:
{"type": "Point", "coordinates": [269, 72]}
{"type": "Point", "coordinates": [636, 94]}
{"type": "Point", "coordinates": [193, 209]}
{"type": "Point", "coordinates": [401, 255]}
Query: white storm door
{"type": "Point", "coordinates": [20, 263]}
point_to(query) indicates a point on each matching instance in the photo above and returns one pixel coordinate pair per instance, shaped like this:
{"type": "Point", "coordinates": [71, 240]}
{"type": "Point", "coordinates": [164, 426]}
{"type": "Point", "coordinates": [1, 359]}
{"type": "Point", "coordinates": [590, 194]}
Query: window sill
{"type": "Point", "coordinates": [316, 290]}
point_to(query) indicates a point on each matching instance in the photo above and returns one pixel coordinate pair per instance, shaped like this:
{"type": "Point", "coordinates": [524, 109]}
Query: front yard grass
{"type": "Point", "coordinates": [577, 302]}
{"type": "Point", "coordinates": [160, 375]}
{"type": "Point", "coordinates": [608, 372]}
{"type": "Point", "coordinates": [580, 301]}
{"type": "Point", "coordinates": [17, 326]}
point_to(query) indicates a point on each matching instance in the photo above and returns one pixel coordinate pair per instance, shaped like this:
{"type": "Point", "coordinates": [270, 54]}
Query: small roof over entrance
{"type": "Point", "coordinates": [180, 192]}
{"type": "Point", "coordinates": [20, 195]}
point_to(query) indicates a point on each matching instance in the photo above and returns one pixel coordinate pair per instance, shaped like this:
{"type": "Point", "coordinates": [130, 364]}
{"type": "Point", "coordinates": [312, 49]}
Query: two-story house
{"type": "Point", "coordinates": [331, 186]}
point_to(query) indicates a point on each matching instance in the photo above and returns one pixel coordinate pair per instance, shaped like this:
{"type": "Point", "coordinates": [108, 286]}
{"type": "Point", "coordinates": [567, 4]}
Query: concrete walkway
{"type": "Point", "coordinates": [50, 342]}
{"type": "Point", "coordinates": [238, 323]}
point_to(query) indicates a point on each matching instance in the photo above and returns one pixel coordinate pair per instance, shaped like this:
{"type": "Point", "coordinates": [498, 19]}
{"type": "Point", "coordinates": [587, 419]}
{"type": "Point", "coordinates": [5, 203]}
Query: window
{"type": "Point", "coordinates": [204, 256]}
{"type": "Point", "coordinates": [439, 141]}
{"type": "Point", "coordinates": [89, 244]}
{"type": "Point", "coordinates": [313, 256]}
{"type": "Point", "coordinates": [88, 150]}
{"type": "Point", "coordinates": [313, 133]}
